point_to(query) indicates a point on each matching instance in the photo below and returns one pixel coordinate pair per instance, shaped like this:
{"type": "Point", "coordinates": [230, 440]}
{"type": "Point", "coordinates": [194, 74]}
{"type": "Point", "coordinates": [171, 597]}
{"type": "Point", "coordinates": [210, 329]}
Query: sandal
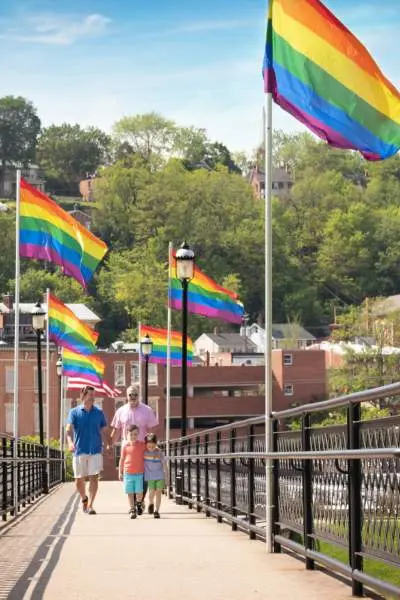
{"type": "Point", "coordinates": [85, 502]}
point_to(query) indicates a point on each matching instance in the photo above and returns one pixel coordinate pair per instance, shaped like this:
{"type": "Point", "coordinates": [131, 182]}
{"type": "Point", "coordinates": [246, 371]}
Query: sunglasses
{"type": "Point", "coordinates": [133, 396]}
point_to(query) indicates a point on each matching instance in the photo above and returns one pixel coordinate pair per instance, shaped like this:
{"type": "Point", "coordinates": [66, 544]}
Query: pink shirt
{"type": "Point", "coordinates": [142, 416]}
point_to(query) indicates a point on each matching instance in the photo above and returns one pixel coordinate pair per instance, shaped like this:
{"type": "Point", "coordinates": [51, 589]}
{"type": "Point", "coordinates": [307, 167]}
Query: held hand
{"type": "Point", "coordinates": [71, 446]}
{"type": "Point", "coordinates": [121, 477]}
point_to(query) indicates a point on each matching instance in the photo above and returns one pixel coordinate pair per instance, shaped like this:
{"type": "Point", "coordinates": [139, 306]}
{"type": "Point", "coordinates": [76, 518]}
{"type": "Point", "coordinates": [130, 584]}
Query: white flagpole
{"type": "Point", "coordinates": [62, 411]}
{"type": "Point", "coordinates": [268, 317]}
{"type": "Point", "coordinates": [16, 342]}
{"type": "Point", "coordinates": [168, 382]}
{"type": "Point", "coordinates": [140, 361]}
{"type": "Point", "coordinates": [48, 369]}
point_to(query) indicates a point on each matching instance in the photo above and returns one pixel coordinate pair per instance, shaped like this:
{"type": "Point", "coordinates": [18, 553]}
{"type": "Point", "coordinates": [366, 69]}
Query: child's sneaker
{"type": "Point", "coordinates": [132, 513]}
{"type": "Point", "coordinates": [139, 508]}
{"type": "Point", "coordinates": [156, 514]}
{"type": "Point", "coordinates": [151, 509]}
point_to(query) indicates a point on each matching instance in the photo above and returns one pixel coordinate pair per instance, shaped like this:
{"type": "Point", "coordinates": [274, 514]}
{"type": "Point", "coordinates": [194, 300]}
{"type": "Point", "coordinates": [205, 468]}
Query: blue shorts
{"type": "Point", "coordinates": [133, 483]}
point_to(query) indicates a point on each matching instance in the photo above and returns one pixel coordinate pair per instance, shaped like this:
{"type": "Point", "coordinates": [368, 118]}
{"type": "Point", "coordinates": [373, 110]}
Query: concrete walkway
{"type": "Point", "coordinates": [58, 553]}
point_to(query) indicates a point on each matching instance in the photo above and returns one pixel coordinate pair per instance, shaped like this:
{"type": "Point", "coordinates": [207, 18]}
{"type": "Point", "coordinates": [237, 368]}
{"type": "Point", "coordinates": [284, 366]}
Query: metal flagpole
{"type": "Point", "coordinates": [62, 411]}
{"type": "Point", "coordinates": [16, 343]}
{"type": "Point", "coordinates": [140, 362]}
{"type": "Point", "coordinates": [47, 388]}
{"type": "Point", "coordinates": [268, 315]}
{"type": "Point", "coordinates": [168, 382]}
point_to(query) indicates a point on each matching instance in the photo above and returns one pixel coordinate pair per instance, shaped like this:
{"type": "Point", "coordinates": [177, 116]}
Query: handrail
{"type": "Point", "coordinates": [309, 455]}
{"type": "Point", "coordinates": [355, 398]}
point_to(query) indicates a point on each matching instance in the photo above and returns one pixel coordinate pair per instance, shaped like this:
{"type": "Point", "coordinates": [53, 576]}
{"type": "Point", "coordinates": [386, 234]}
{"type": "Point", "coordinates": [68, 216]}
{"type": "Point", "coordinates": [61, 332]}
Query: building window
{"type": "Point", "coordinates": [153, 403]}
{"type": "Point", "coordinates": [9, 410]}
{"type": "Point", "coordinates": [119, 374]}
{"type": "Point", "coordinates": [153, 374]}
{"type": "Point", "coordinates": [135, 372]}
{"type": "Point", "coordinates": [35, 380]}
{"type": "Point", "coordinates": [288, 360]}
{"type": "Point", "coordinates": [288, 389]}
{"type": "Point", "coordinates": [9, 380]}
{"type": "Point", "coordinates": [36, 417]}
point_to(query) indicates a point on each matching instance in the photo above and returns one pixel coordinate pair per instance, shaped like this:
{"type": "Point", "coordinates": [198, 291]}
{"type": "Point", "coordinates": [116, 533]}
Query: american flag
{"type": "Point", "coordinates": [77, 383]}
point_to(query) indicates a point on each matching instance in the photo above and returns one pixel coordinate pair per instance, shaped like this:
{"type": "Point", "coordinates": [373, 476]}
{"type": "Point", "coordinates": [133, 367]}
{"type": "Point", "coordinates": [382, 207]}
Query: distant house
{"type": "Point", "coordinates": [82, 217]}
{"type": "Point", "coordinates": [284, 335]}
{"type": "Point", "coordinates": [282, 182]}
{"type": "Point", "coordinates": [32, 174]}
{"type": "Point", "coordinates": [86, 188]}
{"type": "Point", "coordinates": [217, 343]}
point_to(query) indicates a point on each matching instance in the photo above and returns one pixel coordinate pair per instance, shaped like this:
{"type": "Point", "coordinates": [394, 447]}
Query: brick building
{"type": "Point", "coordinates": [216, 395]}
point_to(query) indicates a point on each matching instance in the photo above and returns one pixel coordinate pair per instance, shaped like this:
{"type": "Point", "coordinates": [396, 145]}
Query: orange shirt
{"type": "Point", "coordinates": [132, 457]}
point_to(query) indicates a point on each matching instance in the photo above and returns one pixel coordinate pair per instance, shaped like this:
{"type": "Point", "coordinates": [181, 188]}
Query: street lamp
{"type": "Point", "coordinates": [38, 324]}
{"type": "Point", "coordinates": [146, 348]}
{"type": "Point", "coordinates": [184, 272]}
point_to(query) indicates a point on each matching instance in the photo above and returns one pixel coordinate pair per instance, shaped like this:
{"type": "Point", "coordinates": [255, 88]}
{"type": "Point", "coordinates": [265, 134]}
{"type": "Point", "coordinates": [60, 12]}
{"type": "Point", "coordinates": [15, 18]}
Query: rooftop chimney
{"type": "Point", "coordinates": [215, 330]}
{"type": "Point", "coordinates": [8, 300]}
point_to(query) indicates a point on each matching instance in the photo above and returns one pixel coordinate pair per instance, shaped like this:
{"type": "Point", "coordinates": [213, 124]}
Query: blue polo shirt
{"type": "Point", "coordinates": [87, 426]}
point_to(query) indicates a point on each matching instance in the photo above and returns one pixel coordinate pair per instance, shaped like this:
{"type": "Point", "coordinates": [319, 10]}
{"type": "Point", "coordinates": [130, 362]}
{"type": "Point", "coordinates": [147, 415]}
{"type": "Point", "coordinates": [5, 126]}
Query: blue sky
{"type": "Point", "coordinates": [198, 62]}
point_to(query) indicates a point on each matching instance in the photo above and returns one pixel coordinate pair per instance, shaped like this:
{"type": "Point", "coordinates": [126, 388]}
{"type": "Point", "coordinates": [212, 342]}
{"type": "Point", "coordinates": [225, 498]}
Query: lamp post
{"type": "Point", "coordinates": [184, 272]}
{"type": "Point", "coordinates": [146, 348]}
{"type": "Point", "coordinates": [59, 367]}
{"type": "Point", "coordinates": [38, 324]}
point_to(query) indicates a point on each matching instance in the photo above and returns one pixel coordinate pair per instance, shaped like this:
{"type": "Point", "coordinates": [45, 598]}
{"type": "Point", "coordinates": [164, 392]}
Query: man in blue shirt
{"type": "Point", "coordinates": [86, 428]}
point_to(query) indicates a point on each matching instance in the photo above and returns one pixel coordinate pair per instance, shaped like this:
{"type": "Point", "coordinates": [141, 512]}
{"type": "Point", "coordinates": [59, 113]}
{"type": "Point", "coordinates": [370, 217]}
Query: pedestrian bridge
{"type": "Point", "coordinates": [331, 517]}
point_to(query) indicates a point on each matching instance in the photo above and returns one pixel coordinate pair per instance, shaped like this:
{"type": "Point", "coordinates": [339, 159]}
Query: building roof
{"type": "Point", "coordinates": [231, 340]}
{"type": "Point", "coordinates": [286, 331]}
{"type": "Point", "coordinates": [81, 311]}
{"type": "Point", "coordinates": [278, 174]}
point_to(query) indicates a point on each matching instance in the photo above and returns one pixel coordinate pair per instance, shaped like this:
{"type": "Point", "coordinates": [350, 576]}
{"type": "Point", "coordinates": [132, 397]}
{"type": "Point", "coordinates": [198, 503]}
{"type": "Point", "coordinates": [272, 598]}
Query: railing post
{"type": "Point", "coordinates": [250, 508]}
{"type": "Point", "coordinates": [308, 527]}
{"type": "Point", "coordinates": [198, 480]}
{"type": "Point", "coordinates": [14, 479]}
{"type": "Point", "coordinates": [275, 487]}
{"type": "Point", "coordinates": [4, 486]}
{"type": "Point", "coordinates": [207, 475]}
{"type": "Point", "coordinates": [218, 475]}
{"type": "Point", "coordinates": [355, 504]}
{"type": "Point", "coordinates": [189, 475]}
{"type": "Point", "coordinates": [232, 449]}
{"type": "Point", "coordinates": [179, 475]}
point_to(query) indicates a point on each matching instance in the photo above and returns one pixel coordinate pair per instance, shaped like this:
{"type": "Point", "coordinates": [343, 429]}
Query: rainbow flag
{"type": "Point", "coordinates": [67, 331]}
{"type": "Point", "coordinates": [319, 72]}
{"type": "Point", "coordinates": [207, 298]}
{"type": "Point", "coordinates": [78, 365]}
{"type": "Point", "coordinates": [159, 337]}
{"type": "Point", "coordinates": [49, 233]}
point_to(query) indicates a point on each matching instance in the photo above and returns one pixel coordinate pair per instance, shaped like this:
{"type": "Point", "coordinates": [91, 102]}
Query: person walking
{"type": "Point", "coordinates": [86, 433]}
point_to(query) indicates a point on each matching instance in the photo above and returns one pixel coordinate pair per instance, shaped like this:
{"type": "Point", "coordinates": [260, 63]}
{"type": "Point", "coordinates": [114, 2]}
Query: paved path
{"type": "Point", "coordinates": [58, 553]}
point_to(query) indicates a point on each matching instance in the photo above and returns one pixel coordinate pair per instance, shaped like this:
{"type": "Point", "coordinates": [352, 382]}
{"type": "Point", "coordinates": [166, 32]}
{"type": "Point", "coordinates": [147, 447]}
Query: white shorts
{"type": "Point", "coordinates": [85, 465]}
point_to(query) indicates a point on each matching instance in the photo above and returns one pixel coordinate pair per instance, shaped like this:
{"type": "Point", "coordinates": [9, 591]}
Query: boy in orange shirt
{"type": "Point", "coordinates": [131, 470]}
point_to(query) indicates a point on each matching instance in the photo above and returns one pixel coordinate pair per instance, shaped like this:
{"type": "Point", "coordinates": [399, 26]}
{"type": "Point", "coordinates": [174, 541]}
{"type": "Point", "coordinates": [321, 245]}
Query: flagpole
{"type": "Point", "coordinates": [268, 316]}
{"type": "Point", "coordinates": [168, 382]}
{"type": "Point", "coordinates": [47, 392]}
{"type": "Point", "coordinates": [140, 360]}
{"type": "Point", "coordinates": [16, 343]}
{"type": "Point", "coordinates": [62, 410]}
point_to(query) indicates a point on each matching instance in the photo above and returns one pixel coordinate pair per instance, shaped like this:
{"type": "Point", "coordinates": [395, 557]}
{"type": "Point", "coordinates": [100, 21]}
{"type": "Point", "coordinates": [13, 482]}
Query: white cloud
{"type": "Point", "coordinates": [208, 26]}
{"type": "Point", "coordinates": [59, 30]}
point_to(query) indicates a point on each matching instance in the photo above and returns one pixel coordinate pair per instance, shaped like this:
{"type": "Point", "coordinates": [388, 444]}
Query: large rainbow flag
{"type": "Point", "coordinates": [207, 298]}
{"type": "Point", "coordinates": [319, 72]}
{"type": "Point", "coordinates": [90, 368]}
{"type": "Point", "coordinates": [67, 331]}
{"type": "Point", "coordinates": [47, 232]}
{"type": "Point", "coordinates": [159, 337]}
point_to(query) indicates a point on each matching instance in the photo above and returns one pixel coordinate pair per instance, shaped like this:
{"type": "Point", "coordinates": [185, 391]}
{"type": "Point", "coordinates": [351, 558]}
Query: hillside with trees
{"type": "Point", "coordinates": [336, 237]}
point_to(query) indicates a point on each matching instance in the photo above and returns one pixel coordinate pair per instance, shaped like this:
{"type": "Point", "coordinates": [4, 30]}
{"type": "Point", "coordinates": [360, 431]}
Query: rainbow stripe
{"type": "Point", "coordinates": [49, 233]}
{"type": "Point", "coordinates": [78, 365]}
{"type": "Point", "coordinates": [67, 331]}
{"type": "Point", "coordinates": [319, 72]}
{"type": "Point", "coordinates": [159, 338]}
{"type": "Point", "coordinates": [207, 298]}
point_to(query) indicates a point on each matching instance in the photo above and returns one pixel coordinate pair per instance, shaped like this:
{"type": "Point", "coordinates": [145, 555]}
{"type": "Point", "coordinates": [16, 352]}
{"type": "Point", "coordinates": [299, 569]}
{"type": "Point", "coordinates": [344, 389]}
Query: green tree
{"type": "Point", "coordinates": [19, 130]}
{"type": "Point", "coordinates": [35, 280]}
{"type": "Point", "coordinates": [7, 252]}
{"type": "Point", "coordinates": [68, 153]}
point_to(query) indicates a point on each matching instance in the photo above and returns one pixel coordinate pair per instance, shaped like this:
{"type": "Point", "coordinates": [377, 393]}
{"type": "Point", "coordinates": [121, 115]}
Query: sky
{"type": "Point", "coordinates": [197, 62]}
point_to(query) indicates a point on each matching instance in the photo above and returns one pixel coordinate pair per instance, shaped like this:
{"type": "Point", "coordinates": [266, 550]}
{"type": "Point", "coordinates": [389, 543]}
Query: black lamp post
{"type": "Point", "coordinates": [146, 348]}
{"type": "Point", "coordinates": [184, 272]}
{"type": "Point", "coordinates": [38, 324]}
{"type": "Point", "coordinates": [59, 367]}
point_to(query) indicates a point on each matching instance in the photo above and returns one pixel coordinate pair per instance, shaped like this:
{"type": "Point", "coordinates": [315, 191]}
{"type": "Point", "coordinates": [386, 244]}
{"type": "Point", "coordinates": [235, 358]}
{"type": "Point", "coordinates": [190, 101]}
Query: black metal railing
{"type": "Point", "coordinates": [336, 489]}
{"type": "Point", "coordinates": [25, 473]}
